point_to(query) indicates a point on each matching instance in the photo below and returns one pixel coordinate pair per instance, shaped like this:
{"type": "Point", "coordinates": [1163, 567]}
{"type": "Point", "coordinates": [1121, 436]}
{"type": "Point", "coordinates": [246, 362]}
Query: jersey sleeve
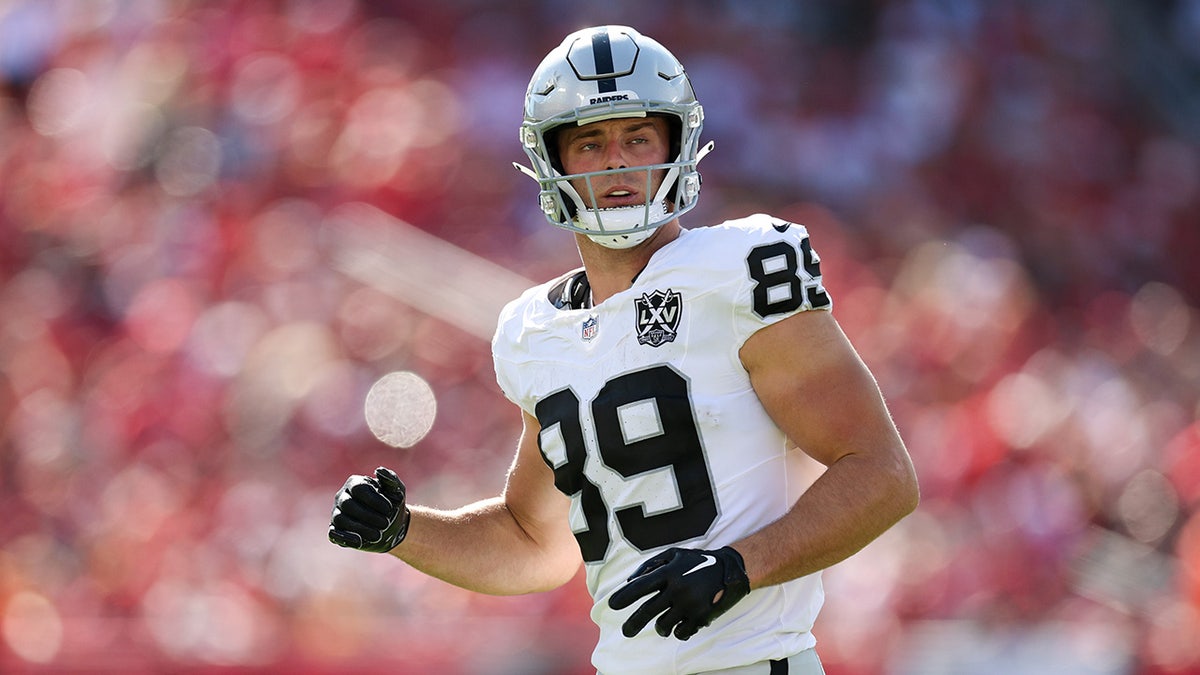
{"type": "Point", "coordinates": [509, 352]}
{"type": "Point", "coordinates": [780, 275]}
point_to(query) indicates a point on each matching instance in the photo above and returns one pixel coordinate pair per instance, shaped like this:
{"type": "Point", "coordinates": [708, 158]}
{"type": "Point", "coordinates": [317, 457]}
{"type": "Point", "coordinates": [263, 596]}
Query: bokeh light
{"type": "Point", "coordinates": [400, 409]}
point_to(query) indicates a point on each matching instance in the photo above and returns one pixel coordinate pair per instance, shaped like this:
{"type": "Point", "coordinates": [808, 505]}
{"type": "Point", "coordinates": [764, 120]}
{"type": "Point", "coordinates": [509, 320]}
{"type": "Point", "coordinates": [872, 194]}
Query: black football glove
{"type": "Point", "coordinates": [369, 513]}
{"type": "Point", "coordinates": [687, 582]}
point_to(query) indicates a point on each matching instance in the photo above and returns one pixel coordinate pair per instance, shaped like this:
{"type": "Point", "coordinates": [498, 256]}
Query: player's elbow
{"type": "Point", "coordinates": [906, 490]}
{"type": "Point", "coordinates": [558, 579]}
{"type": "Point", "coordinates": [564, 563]}
{"type": "Point", "coordinates": [553, 570]}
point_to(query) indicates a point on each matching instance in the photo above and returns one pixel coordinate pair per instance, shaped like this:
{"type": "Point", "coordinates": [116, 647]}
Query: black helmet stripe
{"type": "Point", "coordinates": [602, 53]}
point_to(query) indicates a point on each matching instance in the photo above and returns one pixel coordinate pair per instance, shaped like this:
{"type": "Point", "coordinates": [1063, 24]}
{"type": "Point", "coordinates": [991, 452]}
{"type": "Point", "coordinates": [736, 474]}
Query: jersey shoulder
{"type": "Point", "coordinates": [766, 266]}
{"type": "Point", "coordinates": [754, 229]}
{"type": "Point", "coordinates": [540, 299]}
{"type": "Point", "coordinates": [728, 244]}
{"type": "Point", "coordinates": [535, 309]}
{"type": "Point", "coordinates": [762, 249]}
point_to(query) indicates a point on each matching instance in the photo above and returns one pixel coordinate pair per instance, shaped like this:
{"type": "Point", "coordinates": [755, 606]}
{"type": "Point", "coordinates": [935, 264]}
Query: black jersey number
{"type": "Point", "coordinates": [778, 288]}
{"type": "Point", "coordinates": [663, 436]}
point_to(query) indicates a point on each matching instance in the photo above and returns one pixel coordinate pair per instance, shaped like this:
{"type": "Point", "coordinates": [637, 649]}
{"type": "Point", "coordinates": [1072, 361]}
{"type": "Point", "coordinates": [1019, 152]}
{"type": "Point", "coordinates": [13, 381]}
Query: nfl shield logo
{"type": "Point", "coordinates": [658, 317]}
{"type": "Point", "coordinates": [589, 329]}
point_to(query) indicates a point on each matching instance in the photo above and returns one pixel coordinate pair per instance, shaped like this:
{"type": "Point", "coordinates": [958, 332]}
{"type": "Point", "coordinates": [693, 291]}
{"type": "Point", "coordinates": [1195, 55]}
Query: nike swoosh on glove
{"type": "Point", "coordinates": [690, 589]}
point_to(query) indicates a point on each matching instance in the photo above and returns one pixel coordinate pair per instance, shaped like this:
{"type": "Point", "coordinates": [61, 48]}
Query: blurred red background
{"type": "Point", "coordinates": [1005, 196]}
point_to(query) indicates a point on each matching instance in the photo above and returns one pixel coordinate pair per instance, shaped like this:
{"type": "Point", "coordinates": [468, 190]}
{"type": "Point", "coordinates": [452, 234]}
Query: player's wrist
{"type": "Point", "coordinates": [401, 533]}
{"type": "Point", "coordinates": [736, 578]}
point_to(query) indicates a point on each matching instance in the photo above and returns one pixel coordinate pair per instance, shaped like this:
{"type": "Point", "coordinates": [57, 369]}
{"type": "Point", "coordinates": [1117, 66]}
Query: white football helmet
{"type": "Point", "coordinates": [603, 73]}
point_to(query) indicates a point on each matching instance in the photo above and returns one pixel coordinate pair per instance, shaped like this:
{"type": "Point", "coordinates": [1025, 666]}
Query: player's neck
{"type": "Point", "coordinates": [611, 271]}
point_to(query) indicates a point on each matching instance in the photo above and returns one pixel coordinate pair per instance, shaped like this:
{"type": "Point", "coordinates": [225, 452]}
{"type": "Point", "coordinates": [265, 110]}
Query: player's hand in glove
{"type": "Point", "coordinates": [369, 513]}
{"type": "Point", "coordinates": [690, 588]}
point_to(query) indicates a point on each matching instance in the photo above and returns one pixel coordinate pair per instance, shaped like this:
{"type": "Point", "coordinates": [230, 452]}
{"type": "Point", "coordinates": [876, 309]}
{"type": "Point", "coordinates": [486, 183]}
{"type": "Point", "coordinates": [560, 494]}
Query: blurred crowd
{"type": "Point", "coordinates": [1005, 195]}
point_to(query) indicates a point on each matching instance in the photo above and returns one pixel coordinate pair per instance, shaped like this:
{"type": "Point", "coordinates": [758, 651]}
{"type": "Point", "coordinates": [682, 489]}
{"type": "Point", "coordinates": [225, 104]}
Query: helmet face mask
{"type": "Point", "coordinates": [603, 73]}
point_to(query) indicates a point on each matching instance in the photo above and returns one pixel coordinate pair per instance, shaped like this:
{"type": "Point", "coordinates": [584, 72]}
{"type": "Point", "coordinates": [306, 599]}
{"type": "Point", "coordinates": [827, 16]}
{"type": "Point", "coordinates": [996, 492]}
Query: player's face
{"type": "Point", "coordinates": [615, 144]}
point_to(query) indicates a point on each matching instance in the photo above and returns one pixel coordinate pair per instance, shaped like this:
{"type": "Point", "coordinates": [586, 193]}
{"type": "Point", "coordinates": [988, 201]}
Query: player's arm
{"type": "Point", "coordinates": [815, 387]}
{"type": "Point", "coordinates": [518, 542]}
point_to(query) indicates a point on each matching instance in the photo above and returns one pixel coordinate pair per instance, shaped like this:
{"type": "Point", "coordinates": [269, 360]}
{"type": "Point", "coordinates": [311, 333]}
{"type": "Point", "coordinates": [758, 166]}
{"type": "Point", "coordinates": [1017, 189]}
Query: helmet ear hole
{"type": "Point", "coordinates": [674, 132]}
{"type": "Point", "coordinates": [551, 140]}
{"type": "Point", "coordinates": [568, 204]}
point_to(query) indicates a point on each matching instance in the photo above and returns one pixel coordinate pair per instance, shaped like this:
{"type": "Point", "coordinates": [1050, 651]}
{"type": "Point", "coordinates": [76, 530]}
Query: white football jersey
{"type": "Point", "coordinates": [652, 428]}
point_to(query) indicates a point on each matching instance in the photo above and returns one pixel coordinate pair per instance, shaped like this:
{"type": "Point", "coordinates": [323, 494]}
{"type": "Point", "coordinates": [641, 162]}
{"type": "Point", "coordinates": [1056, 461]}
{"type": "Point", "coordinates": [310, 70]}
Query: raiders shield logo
{"type": "Point", "coordinates": [658, 317]}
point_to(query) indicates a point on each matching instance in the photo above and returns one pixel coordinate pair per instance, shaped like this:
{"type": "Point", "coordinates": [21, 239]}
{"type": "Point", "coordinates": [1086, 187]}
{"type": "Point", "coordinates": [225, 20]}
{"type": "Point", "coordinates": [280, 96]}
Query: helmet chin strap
{"type": "Point", "coordinates": [621, 218]}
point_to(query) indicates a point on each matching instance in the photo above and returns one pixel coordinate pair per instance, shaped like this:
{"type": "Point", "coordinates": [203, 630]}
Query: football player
{"type": "Point", "coordinates": [665, 387]}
